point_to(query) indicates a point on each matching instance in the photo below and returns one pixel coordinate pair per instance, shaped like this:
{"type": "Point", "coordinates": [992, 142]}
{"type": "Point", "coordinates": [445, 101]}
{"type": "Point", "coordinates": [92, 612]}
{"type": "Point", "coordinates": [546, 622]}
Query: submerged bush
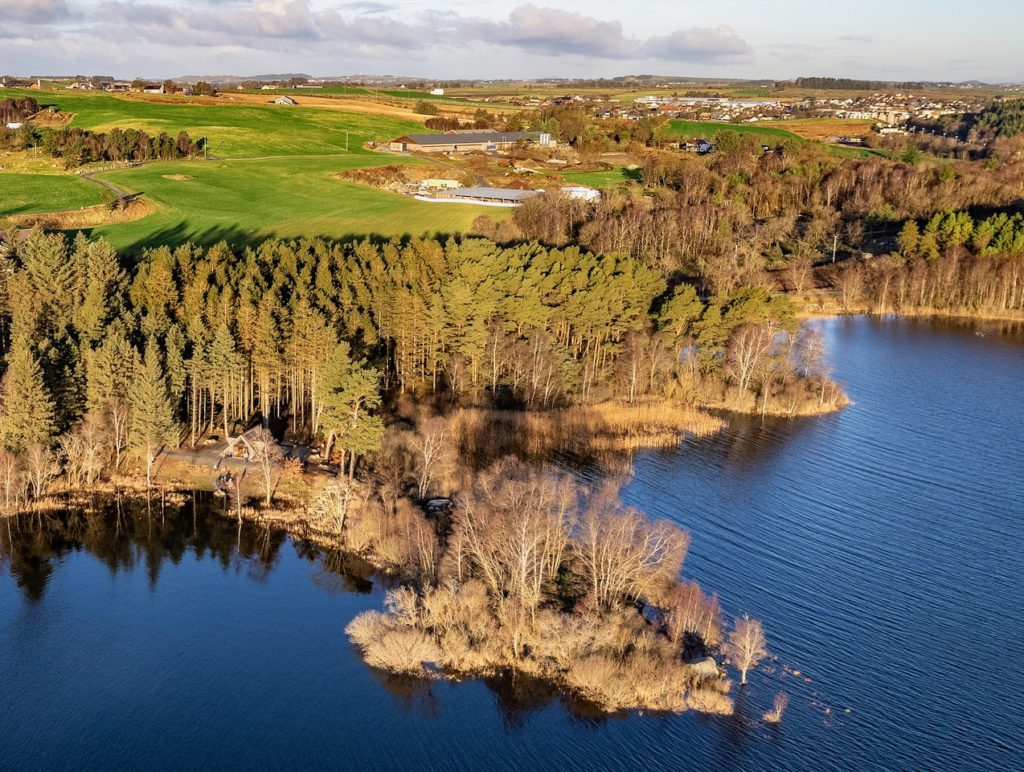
{"type": "Point", "coordinates": [398, 649]}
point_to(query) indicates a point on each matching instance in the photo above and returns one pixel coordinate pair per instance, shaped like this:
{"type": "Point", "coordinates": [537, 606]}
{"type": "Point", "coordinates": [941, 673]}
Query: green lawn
{"type": "Point", "coordinates": [605, 179]}
{"type": "Point", "coordinates": [238, 131]}
{"type": "Point", "coordinates": [708, 129]}
{"type": "Point", "coordinates": [31, 193]}
{"type": "Point", "coordinates": [247, 201]}
{"type": "Point", "coordinates": [232, 197]}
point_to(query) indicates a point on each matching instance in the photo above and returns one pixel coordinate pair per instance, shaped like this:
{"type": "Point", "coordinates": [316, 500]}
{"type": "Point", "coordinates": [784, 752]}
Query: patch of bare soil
{"type": "Point", "coordinates": [87, 217]}
{"type": "Point", "coordinates": [50, 120]}
{"type": "Point", "coordinates": [178, 177]}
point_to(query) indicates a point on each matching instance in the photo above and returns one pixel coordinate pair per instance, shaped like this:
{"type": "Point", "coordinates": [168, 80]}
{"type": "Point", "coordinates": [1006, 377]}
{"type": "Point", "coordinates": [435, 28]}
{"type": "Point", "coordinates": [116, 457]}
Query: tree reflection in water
{"type": "Point", "coordinates": [125, 534]}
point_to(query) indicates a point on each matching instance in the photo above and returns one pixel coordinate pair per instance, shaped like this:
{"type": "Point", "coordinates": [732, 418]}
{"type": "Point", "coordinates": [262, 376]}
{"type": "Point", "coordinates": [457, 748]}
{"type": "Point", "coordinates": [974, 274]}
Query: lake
{"type": "Point", "coordinates": [881, 546]}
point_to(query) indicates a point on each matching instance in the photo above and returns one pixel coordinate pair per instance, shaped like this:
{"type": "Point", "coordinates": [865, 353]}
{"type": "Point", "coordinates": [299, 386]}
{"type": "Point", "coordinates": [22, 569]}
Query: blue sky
{"type": "Point", "coordinates": [898, 39]}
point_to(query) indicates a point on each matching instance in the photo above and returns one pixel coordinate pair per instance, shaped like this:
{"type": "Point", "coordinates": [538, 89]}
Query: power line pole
{"type": "Point", "coordinates": [835, 243]}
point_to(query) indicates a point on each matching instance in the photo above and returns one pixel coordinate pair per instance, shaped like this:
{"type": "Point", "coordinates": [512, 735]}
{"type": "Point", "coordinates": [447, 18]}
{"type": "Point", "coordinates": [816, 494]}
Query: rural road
{"type": "Point", "coordinates": [123, 195]}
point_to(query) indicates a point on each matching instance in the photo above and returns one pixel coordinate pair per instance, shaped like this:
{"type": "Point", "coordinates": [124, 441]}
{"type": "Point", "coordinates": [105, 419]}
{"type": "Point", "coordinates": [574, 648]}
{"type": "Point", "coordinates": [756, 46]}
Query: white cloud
{"type": "Point", "coordinates": [700, 44]}
{"type": "Point", "coordinates": [32, 11]}
{"type": "Point", "coordinates": [366, 28]}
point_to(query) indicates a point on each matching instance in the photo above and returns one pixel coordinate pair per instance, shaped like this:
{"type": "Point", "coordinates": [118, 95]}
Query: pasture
{"type": "Point", "coordinates": [246, 201]}
{"type": "Point", "coordinates": [35, 193]}
{"type": "Point", "coordinates": [603, 179]}
{"type": "Point", "coordinates": [233, 130]}
{"type": "Point", "coordinates": [683, 129]}
{"type": "Point", "coordinates": [271, 173]}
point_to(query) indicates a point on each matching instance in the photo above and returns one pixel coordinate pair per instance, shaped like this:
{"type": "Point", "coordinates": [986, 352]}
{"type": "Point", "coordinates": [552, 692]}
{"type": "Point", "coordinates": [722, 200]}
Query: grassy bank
{"type": "Point", "coordinates": [824, 306]}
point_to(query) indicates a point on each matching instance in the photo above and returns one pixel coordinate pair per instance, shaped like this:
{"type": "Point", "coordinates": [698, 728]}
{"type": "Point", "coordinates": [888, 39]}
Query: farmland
{"type": "Point", "coordinates": [31, 193]}
{"type": "Point", "coordinates": [708, 130]}
{"type": "Point", "coordinates": [271, 172]}
{"type": "Point", "coordinates": [239, 131]}
{"type": "Point", "coordinates": [244, 201]}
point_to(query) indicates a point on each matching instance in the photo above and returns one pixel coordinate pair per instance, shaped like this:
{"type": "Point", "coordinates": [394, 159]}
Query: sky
{"type": "Point", "coordinates": [876, 39]}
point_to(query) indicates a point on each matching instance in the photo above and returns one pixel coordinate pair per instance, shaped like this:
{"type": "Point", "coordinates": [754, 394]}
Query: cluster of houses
{"type": "Point", "coordinates": [890, 111]}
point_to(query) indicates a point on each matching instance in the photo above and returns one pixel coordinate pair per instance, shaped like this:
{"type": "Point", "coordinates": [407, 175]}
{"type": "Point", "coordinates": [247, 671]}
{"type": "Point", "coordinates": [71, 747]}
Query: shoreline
{"type": "Point", "coordinates": [963, 314]}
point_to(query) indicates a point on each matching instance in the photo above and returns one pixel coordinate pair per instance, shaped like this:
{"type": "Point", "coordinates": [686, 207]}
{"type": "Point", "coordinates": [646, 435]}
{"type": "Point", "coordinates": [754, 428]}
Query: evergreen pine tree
{"type": "Point", "coordinates": [151, 425]}
{"type": "Point", "coordinates": [28, 412]}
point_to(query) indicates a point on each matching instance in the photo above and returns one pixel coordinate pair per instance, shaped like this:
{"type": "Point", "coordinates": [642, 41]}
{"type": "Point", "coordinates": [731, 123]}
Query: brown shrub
{"type": "Point", "coordinates": [640, 681]}
{"type": "Point", "coordinates": [709, 701]}
{"type": "Point", "coordinates": [779, 704]}
{"type": "Point", "coordinates": [384, 645]}
{"type": "Point", "coordinates": [367, 628]}
{"type": "Point", "coordinates": [581, 429]}
{"type": "Point", "coordinates": [403, 650]}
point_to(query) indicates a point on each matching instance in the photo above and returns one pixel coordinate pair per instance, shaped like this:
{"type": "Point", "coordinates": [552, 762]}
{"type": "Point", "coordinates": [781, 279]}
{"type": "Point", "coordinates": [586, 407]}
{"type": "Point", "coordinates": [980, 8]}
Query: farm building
{"type": "Point", "coordinates": [436, 183]}
{"type": "Point", "coordinates": [455, 141]}
{"type": "Point", "coordinates": [285, 100]}
{"type": "Point", "coordinates": [581, 193]}
{"type": "Point", "coordinates": [485, 196]}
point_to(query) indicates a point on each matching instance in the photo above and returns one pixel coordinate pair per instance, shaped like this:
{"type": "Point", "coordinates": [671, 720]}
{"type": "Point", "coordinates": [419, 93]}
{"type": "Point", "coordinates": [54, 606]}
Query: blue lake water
{"type": "Point", "coordinates": [880, 545]}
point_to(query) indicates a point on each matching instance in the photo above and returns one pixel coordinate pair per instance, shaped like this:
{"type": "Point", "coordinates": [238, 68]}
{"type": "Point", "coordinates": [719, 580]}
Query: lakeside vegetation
{"type": "Point", "coordinates": [114, 370]}
{"type": "Point", "coordinates": [385, 360]}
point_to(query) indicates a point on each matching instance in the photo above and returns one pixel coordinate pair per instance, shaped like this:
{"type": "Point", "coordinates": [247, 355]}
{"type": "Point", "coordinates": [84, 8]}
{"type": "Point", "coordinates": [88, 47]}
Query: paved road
{"type": "Point", "coordinates": [123, 195]}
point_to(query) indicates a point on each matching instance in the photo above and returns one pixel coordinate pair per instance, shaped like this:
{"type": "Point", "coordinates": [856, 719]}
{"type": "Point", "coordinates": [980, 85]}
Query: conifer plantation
{"type": "Point", "coordinates": [322, 336]}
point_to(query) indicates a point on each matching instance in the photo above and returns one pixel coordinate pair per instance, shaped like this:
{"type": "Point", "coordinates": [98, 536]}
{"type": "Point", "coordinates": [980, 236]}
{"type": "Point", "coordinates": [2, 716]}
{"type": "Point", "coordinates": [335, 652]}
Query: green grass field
{"type": "Point", "coordinates": [32, 193]}
{"type": "Point", "coordinates": [233, 131]}
{"type": "Point", "coordinates": [288, 189]}
{"type": "Point", "coordinates": [247, 201]}
{"type": "Point", "coordinates": [708, 129]}
{"type": "Point", "coordinates": [605, 179]}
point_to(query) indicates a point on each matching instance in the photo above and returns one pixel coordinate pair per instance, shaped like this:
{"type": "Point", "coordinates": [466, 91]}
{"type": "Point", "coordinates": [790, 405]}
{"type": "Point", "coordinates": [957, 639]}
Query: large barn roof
{"type": "Point", "coordinates": [500, 194]}
{"type": "Point", "coordinates": [470, 137]}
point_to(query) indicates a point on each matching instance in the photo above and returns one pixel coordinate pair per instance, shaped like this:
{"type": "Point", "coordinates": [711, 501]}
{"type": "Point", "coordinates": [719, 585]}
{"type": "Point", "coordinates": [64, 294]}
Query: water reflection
{"type": "Point", "coordinates": [127, 534]}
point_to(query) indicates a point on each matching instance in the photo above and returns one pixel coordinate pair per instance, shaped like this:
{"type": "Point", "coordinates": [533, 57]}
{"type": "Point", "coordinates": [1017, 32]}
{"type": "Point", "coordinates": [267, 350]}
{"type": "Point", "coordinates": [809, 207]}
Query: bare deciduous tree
{"type": "Point", "coordinates": [624, 555]}
{"type": "Point", "coordinates": [40, 467]}
{"type": "Point", "coordinates": [11, 479]}
{"type": "Point", "coordinates": [83, 451]}
{"type": "Point", "coordinates": [265, 453]}
{"type": "Point", "coordinates": [746, 645]}
{"type": "Point", "coordinates": [748, 349]}
{"type": "Point", "coordinates": [691, 612]}
{"type": "Point", "coordinates": [433, 447]}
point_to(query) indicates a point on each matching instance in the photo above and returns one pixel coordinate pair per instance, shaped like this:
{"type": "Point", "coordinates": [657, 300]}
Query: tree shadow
{"type": "Point", "coordinates": [238, 238]}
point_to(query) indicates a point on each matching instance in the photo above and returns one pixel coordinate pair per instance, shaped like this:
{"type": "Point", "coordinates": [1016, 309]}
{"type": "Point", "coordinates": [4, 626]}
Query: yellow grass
{"type": "Point", "coordinates": [584, 429]}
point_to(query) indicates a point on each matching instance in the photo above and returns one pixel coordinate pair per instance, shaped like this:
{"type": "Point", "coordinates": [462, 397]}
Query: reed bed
{"type": "Point", "coordinates": [609, 426]}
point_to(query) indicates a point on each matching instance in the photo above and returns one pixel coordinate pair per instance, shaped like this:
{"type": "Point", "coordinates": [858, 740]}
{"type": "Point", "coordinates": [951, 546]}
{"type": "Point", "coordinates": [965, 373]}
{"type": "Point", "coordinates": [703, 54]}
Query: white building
{"type": "Point", "coordinates": [582, 193]}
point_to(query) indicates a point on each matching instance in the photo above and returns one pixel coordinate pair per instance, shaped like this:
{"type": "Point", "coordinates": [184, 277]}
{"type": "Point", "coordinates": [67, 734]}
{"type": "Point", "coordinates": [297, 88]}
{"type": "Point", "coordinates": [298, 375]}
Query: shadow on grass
{"type": "Point", "coordinates": [242, 238]}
